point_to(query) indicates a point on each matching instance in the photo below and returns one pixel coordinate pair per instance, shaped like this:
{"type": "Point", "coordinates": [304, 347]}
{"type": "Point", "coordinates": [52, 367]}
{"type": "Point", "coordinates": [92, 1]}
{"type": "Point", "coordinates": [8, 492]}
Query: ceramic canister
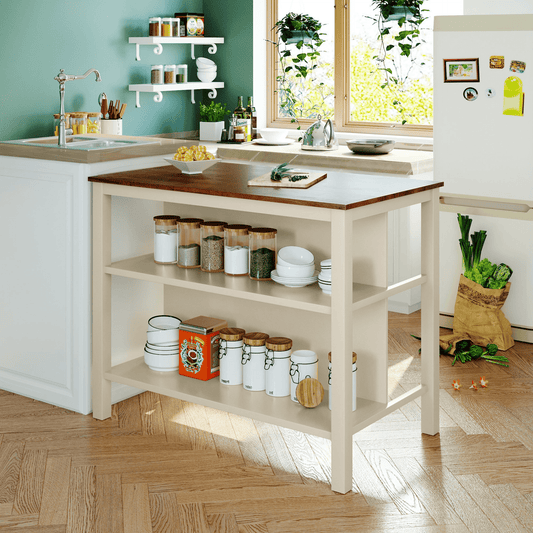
{"type": "Point", "coordinates": [230, 353]}
{"type": "Point", "coordinates": [253, 361]}
{"type": "Point", "coordinates": [304, 364]}
{"type": "Point", "coordinates": [277, 366]}
{"type": "Point", "coordinates": [354, 380]}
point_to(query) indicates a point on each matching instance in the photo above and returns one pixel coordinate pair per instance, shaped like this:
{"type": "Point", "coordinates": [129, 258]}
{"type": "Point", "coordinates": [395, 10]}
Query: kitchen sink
{"type": "Point", "coordinates": [80, 143]}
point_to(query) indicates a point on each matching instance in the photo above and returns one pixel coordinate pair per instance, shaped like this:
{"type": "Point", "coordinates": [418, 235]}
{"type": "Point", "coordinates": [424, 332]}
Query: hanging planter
{"type": "Point", "coordinates": [401, 12]}
{"type": "Point", "coordinates": [298, 36]}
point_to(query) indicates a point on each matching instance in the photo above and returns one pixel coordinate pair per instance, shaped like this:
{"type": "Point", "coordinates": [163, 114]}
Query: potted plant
{"type": "Point", "coordinates": [212, 121]}
{"type": "Point", "coordinates": [299, 39]}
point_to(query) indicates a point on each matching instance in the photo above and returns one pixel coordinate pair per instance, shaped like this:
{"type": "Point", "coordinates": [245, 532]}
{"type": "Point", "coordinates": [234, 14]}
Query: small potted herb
{"type": "Point", "coordinates": [212, 121]}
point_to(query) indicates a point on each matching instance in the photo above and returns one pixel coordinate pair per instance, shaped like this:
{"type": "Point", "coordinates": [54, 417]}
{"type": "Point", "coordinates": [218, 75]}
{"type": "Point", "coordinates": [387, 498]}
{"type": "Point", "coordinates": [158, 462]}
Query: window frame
{"type": "Point", "coordinates": [341, 83]}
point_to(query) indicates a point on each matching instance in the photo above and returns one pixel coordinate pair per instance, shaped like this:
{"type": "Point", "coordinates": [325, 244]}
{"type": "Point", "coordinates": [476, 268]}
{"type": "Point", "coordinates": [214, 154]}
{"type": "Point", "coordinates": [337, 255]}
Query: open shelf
{"type": "Point", "coordinates": [160, 88]}
{"type": "Point", "coordinates": [309, 298]}
{"type": "Point", "coordinates": [235, 399]}
{"type": "Point", "coordinates": [160, 41]}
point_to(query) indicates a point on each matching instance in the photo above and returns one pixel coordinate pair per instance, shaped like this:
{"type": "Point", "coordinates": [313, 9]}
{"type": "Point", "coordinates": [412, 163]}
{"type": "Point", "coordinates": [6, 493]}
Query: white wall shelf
{"type": "Point", "coordinates": [160, 41]}
{"type": "Point", "coordinates": [161, 88]}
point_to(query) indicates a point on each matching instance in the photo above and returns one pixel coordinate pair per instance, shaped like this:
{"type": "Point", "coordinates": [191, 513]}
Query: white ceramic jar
{"type": "Point", "coordinates": [230, 354]}
{"type": "Point", "coordinates": [253, 361]}
{"type": "Point", "coordinates": [354, 380]}
{"type": "Point", "coordinates": [277, 366]}
{"type": "Point", "coordinates": [304, 364]}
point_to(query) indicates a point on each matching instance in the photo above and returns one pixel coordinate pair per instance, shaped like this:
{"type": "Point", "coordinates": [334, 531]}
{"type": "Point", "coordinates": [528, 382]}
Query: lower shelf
{"type": "Point", "coordinates": [234, 399]}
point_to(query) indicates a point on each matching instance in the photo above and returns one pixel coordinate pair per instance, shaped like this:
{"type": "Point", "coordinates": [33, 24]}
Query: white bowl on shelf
{"type": "Point", "coordinates": [206, 76]}
{"type": "Point", "coordinates": [163, 336]}
{"type": "Point", "coordinates": [325, 265]}
{"type": "Point", "coordinates": [295, 271]}
{"type": "Point", "coordinates": [295, 255]}
{"type": "Point", "coordinates": [203, 62]}
{"type": "Point", "coordinates": [325, 275]}
{"type": "Point", "coordinates": [162, 363]}
{"type": "Point", "coordinates": [167, 347]}
{"type": "Point", "coordinates": [272, 135]}
{"type": "Point", "coordinates": [163, 322]}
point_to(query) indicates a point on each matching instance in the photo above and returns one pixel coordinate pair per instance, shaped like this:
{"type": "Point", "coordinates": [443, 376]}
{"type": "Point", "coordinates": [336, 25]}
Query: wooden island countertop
{"type": "Point", "coordinates": [340, 190]}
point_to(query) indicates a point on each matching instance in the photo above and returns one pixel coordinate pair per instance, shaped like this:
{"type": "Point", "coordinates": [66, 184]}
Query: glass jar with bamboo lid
{"type": "Point", "coordinates": [189, 242]}
{"type": "Point", "coordinates": [236, 249]}
{"type": "Point", "coordinates": [262, 259]}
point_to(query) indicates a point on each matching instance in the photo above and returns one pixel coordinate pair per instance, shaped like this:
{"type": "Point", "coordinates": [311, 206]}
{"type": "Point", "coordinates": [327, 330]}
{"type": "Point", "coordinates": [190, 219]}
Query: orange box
{"type": "Point", "coordinates": [199, 344]}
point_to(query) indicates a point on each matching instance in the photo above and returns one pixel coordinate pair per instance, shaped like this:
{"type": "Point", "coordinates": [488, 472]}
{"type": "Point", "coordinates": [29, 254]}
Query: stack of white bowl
{"type": "Point", "coordinates": [162, 349]}
{"type": "Point", "coordinates": [295, 267]}
{"type": "Point", "coordinates": [324, 278]}
{"type": "Point", "coordinates": [207, 69]}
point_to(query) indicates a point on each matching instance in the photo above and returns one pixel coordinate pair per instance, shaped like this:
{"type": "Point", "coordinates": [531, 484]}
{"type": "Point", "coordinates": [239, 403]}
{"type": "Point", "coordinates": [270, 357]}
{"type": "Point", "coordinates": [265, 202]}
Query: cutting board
{"type": "Point", "coordinates": [265, 181]}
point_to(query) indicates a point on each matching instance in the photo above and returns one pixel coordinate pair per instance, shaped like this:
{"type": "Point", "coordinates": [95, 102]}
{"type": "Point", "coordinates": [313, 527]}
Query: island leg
{"type": "Point", "coordinates": [101, 387]}
{"type": "Point", "coordinates": [341, 351]}
{"type": "Point", "coordinates": [430, 314]}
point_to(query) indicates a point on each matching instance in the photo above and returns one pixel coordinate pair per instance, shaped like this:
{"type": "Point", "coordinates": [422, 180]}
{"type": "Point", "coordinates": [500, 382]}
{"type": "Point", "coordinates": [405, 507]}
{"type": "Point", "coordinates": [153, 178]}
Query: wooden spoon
{"type": "Point", "coordinates": [110, 110]}
{"type": "Point", "coordinates": [122, 110]}
{"type": "Point", "coordinates": [117, 109]}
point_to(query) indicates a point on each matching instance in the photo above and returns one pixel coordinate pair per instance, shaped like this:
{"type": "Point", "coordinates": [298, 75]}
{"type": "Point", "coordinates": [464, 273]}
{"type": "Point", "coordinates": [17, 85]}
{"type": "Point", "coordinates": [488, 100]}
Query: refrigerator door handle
{"type": "Point", "coordinates": [489, 207]}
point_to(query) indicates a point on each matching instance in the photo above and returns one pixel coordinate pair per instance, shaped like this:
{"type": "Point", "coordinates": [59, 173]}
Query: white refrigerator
{"type": "Point", "coordinates": [483, 150]}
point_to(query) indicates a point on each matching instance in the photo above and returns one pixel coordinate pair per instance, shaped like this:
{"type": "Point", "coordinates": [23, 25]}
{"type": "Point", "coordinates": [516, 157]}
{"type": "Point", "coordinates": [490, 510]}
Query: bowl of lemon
{"type": "Point", "coordinates": [192, 159]}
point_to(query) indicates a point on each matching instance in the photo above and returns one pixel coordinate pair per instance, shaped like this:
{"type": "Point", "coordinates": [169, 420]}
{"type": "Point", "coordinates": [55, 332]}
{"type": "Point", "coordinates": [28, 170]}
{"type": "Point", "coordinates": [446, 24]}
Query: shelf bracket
{"type": "Point", "coordinates": [212, 93]}
{"type": "Point", "coordinates": [158, 49]}
{"type": "Point", "coordinates": [212, 49]}
{"type": "Point", "coordinates": [192, 95]}
{"type": "Point", "coordinates": [137, 54]}
{"type": "Point", "coordinates": [192, 53]}
{"type": "Point", "coordinates": [158, 96]}
{"type": "Point", "coordinates": [137, 100]}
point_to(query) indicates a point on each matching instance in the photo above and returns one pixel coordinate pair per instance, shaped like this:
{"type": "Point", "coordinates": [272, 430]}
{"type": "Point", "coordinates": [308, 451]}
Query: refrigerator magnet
{"type": "Point", "coordinates": [490, 93]}
{"type": "Point", "coordinates": [513, 97]}
{"type": "Point", "coordinates": [496, 62]}
{"type": "Point", "coordinates": [517, 66]}
{"type": "Point", "coordinates": [470, 94]}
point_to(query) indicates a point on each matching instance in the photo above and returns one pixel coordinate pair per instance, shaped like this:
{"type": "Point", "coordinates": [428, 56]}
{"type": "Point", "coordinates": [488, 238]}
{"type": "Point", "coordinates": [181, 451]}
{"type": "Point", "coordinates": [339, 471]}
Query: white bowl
{"type": "Point", "coordinates": [204, 62]}
{"type": "Point", "coordinates": [192, 167]}
{"type": "Point", "coordinates": [326, 264]}
{"type": "Point", "coordinates": [163, 336]}
{"type": "Point", "coordinates": [206, 67]}
{"type": "Point", "coordinates": [325, 275]}
{"type": "Point", "coordinates": [206, 76]}
{"type": "Point", "coordinates": [295, 255]}
{"type": "Point", "coordinates": [163, 322]}
{"type": "Point", "coordinates": [162, 363]}
{"type": "Point", "coordinates": [295, 271]}
{"type": "Point", "coordinates": [165, 347]}
{"type": "Point", "coordinates": [273, 135]}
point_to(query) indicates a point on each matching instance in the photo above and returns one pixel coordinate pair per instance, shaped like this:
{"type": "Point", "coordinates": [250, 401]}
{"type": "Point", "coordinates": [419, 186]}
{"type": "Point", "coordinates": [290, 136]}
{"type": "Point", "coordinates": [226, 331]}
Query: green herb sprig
{"type": "Point", "coordinates": [283, 171]}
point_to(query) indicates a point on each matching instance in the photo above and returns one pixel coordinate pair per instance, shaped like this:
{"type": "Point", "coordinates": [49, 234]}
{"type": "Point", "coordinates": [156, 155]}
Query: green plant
{"type": "Point", "coordinates": [213, 112]}
{"type": "Point", "coordinates": [301, 38]}
{"type": "Point", "coordinates": [395, 44]}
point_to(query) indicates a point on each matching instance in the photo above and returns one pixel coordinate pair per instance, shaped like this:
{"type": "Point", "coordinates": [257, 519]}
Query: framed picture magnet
{"type": "Point", "coordinates": [497, 62]}
{"type": "Point", "coordinates": [461, 70]}
{"type": "Point", "coordinates": [470, 94]}
{"type": "Point", "coordinates": [518, 66]}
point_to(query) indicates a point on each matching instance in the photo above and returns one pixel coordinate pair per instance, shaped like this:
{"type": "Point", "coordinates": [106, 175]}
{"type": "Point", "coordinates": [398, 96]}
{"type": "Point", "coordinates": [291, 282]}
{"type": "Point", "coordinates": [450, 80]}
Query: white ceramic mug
{"type": "Point", "coordinates": [111, 127]}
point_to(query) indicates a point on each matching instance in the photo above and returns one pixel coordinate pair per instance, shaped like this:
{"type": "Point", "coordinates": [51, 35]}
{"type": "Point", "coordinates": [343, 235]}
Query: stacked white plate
{"type": "Point", "coordinates": [295, 267]}
{"type": "Point", "coordinates": [324, 278]}
{"type": "Point", "coordinates": [162, 349]}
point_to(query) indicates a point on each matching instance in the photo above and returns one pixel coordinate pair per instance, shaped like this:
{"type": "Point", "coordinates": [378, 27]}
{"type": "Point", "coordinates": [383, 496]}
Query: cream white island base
{"type": "Point", "coordinates": [343, 217]}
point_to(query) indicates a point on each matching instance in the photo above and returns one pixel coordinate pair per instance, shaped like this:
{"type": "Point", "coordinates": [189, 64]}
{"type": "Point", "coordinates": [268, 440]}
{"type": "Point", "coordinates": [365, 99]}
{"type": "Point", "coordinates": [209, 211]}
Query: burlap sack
{"type": "Point", "coordinates": [478, 317]}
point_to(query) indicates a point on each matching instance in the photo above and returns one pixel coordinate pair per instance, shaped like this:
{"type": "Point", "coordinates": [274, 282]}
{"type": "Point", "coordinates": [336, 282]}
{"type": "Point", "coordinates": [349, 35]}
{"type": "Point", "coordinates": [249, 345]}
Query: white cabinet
{"type": "Point", "coordinates": [159, 89]}
{"type": "Point", "coordinates": [330, 220]}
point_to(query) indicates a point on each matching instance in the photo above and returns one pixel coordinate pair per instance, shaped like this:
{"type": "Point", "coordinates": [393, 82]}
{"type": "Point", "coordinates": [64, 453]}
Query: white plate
{"type": "Point", "coordinates": [284, 279]}
{"type": "Point", "coordinates": [293, 284]}
{"type": "Point", "coordinates": [280, 143]}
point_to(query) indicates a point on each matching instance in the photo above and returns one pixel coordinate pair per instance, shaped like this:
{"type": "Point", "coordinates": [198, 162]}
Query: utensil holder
{"type": "Point", "coordinates": [111, 126]}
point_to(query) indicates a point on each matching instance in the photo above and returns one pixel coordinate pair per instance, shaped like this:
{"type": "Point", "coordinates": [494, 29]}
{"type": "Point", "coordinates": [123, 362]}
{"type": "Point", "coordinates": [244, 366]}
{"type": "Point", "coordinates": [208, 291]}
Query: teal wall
{"type": "Point", "coordinates": [83, 34]}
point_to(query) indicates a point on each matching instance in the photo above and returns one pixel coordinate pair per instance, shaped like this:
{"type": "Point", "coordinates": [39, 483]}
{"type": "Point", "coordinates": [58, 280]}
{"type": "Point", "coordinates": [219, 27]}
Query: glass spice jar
{"type": "Point", "coordinates": [239, 134]}
{"type": "Point", "coordinates": [166, 27]}
{"type": "Point", "coordinates": [156, 75]}
{"type": "Point", "coordinates": [79, 123]}
{"type": "Point", "coordinates": [93, 123]}
{"type": "Point", "coordinates": [236, 249]}
{"type": "Point", "coordinates": [212, 252]}
{"type": "Point", "coordinates": [262, 259]}
{"type": "Point", "coordinates": [166, 239]}
{"type": "Point", "coordinates": [189, 242]}
{"type": "Point", "coordinates": [154, 26]}
{"type": "Point", "coordinates": [170, 73]}
{"type": "Point", "coordinates": [175, 27]}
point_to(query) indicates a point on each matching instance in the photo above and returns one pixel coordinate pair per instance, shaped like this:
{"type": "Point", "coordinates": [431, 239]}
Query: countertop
{"type": "Point", "coordinates": [340, 190]}
{"type": "Point", "coordinates": [399, 161]}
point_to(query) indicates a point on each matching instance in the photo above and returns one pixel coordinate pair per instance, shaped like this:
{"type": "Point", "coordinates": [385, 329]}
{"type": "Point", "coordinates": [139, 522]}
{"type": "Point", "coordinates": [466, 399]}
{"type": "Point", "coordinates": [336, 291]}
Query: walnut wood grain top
{"type": "Point", "coordinates": [340, 190]}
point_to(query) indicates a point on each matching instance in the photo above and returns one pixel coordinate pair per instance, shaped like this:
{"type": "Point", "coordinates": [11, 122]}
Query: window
{"type": "Point", "coordinates": [348, 84]}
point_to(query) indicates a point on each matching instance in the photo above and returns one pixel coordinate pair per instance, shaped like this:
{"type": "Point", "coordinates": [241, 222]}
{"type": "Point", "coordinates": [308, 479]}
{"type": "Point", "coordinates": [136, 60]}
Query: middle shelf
{"type": "Point", "coordinates": [160, 88]}
{"type": "Point", "coordinates": [309, 298]}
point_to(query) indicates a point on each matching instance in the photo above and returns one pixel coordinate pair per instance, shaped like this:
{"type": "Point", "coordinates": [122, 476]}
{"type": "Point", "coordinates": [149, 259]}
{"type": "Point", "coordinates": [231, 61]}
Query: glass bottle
{"type": "Point", "coordinates": [166, 239]}
{"type": "Point", "coordinates": [240, 110]}
{"type": "Point", "coordinates": [189, 242]}
{"type": "Point", "coordinates": [262, 243]}
{"type": "Point", "coordinates": [250, 109]}
{"type": "Point", "coordinates": [236, 249]}
{"type": "Point", "coordinates": [212, 252]}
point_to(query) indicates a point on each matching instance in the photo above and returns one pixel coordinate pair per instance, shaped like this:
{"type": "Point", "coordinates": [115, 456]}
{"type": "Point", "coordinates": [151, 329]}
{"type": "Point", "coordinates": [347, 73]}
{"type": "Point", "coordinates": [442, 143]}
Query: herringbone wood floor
{"type": "Point", "coordinates": [162, 465]}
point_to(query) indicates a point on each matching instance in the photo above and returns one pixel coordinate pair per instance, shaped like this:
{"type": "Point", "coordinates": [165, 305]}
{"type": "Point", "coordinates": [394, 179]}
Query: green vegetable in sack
{"type": "Point", "coordinates": [481, 272]}
{"type": "Point", "coordinates": [502, 272]}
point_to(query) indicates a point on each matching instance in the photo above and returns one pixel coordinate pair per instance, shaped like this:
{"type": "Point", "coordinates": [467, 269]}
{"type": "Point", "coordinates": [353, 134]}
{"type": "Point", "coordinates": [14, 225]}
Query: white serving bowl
{"type": "Point", "coordinates": [163, 322]}
{"type": "Point", "coordinates": [206, 67]}
{"type": "Point", "coordinates": [204, 62]}
{"type": "Point", "coordinates": [273, 135]}
{"type": "Point", "coordinates": [206, 76]}
{"type": "Point", "coordinates": [163, 336]}
{"type": "Point", "coordinates": [164, 347]}
{"type": "Point", "coordinates": [162, 363]}
{"type": "Point", "coordinates": [295, 255]}
{"type": "Point", "coordinates": [295, 271]}
{"type": "Point", "coordinates": [192, 167]}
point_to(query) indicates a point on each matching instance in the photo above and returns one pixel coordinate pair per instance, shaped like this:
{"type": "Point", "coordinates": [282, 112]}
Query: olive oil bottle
{"type": "Point", "coordinates": [252, 113]}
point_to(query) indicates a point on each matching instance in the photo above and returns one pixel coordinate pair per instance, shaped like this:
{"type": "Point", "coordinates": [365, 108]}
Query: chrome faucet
{"type": "Point", "coordinates": [62, 78]}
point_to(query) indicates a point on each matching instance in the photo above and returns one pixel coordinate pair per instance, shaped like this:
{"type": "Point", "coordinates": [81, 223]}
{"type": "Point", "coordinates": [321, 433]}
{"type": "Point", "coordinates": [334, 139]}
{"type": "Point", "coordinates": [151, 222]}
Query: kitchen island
{"type": "Point", "coordinates": [343, 217]}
